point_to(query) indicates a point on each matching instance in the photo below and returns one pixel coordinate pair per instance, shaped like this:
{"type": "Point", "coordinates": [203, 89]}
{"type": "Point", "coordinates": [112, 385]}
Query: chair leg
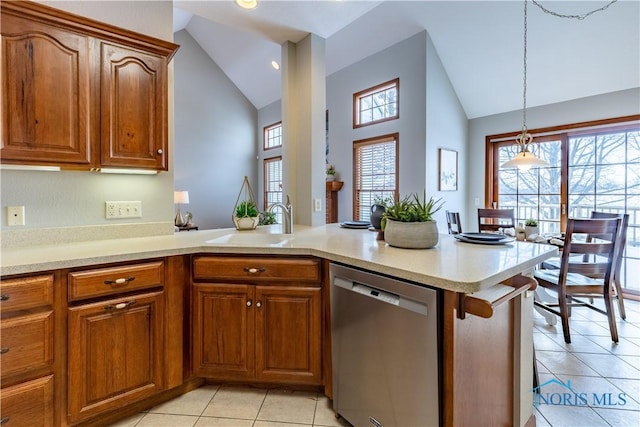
{"type": "Point", "coordinates": [618, 287]}
{"type": "Point", "coordinates": [611, 315]}
{"type": "Point", "coordinates": [564, 315]}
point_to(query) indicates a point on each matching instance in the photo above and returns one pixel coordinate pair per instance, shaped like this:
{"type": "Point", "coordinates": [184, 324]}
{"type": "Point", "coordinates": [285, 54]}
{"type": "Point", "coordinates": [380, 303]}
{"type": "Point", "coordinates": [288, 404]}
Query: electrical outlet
{"type": "Point", "coordinates": [118, 210]}
{"type": "Point", "coordinates": [477, 201]}
{"type": "Point", "coordinates": [15, 215]}
{"type": "Point", "coordinates": [317, 205]}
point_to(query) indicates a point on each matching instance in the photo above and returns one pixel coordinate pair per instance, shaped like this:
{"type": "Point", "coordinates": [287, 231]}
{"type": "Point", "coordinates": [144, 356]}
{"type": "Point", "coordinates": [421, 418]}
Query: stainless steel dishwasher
{"type": "Point", "coordinates": [385, 350]}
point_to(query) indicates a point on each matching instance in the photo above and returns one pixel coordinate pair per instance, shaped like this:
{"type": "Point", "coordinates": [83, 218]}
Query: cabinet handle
{"type": "Point", "coordinates": [120, 306]}
{"type": "Point", "coordinates": [4, 420]}
{"type": "Point", "coordinates": [249, 303]}
{"type": "Point", "coordinates": [4, 350]}
{"type": "Point", "coordinates": [4, 297]}
{"type": "Point", "coordinates": [119, 281]}
{"type": "Point", "coordinates": [258, 304]}
{"type": "Point", "coordinates": [254, 270]}
{"type": "Point", "coordinates": [160, 151]}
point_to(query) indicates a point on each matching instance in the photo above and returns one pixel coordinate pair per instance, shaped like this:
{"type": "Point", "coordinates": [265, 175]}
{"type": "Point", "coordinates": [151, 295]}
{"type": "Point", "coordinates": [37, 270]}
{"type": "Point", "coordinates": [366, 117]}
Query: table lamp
{"type": "Point", "coordinates": [180, 197]}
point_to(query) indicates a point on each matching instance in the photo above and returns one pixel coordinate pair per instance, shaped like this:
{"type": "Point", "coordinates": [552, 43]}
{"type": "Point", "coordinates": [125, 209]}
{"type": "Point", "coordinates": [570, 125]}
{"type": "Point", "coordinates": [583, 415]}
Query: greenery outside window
{"type": "Point", "coordinates": [375, 173]}
{"type": "Point", "coordinates": [376, 104]}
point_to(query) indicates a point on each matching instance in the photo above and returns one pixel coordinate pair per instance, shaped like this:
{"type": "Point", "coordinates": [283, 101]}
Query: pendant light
{"type": "Point", "coordinates": [525, 159]}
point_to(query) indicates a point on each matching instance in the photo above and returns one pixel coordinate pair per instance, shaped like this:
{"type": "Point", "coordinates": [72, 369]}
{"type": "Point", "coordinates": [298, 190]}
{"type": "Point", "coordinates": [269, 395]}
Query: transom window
{"type": "Point", "coordinates": [375, 173]}
{"type": "Point", "coordinates": [273, 136]}
{"type": "Point", "coordinates": [376, 104]}
{"type": "Point", "coordinates": [593, 166]}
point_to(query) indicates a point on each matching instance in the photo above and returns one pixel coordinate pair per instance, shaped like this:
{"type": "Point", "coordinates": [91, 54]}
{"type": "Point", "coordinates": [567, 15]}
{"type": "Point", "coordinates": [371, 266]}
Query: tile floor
{"type": "Point", "coordinates": [595, 366]}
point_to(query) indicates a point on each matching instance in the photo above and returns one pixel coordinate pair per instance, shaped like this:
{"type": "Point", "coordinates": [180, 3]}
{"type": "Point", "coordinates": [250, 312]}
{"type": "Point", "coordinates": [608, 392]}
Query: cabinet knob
{"type": "Point", "coordinates": [160, 151]}
{"type": "Point", "coordinates": [119, 281]}
{"type": "Point", "coordinates": [258, 304]}
{"type": "Point", "coordinates": [4, 350]}
{"type": "Point", "coordinates": [120, 305]}
{"type": "Point", "coordinates": [249, 303]}
{"type": "Point", "coordinates": [4, 420]}
{"type": "Point", "coordinates": [254, 270]}
{"type": "Point", "coordinates": [4, 297]}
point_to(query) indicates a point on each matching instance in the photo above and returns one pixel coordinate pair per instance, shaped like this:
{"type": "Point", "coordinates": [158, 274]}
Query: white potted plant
{"type": "Point", "coordinates": [409, 223]}
{"type": "Point", "coordinates": [245, 214]}
{"type": "Point", "coordinates": [331, 173]}
{"type": "Point", "coordinates": [531, 228]}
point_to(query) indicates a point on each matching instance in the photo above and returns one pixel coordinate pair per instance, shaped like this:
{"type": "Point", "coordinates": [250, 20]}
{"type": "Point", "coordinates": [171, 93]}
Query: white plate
{"type": "Point", "coordinates": [355, 224]}
{"type": "Point", "coordinates": [502, 241]}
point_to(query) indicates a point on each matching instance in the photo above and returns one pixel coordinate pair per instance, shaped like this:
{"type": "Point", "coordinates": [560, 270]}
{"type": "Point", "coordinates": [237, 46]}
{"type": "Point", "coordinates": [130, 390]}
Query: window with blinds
{"type": "Point", "coordinates": [376, 104]}
{"type": "Point", "coordinates": [375, 173]}
{"type": "Point", "coordinates": [273, 136]}
{"type": "Point", "coordinates": [273, 184]}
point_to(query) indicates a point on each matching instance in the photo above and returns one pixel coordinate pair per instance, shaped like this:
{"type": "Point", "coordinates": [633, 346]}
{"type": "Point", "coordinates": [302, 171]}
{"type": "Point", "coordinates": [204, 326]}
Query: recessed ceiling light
{"type": "Point", "coordinates": [275, 64]}
{"type": "Point", "coordinates": [247, 4]}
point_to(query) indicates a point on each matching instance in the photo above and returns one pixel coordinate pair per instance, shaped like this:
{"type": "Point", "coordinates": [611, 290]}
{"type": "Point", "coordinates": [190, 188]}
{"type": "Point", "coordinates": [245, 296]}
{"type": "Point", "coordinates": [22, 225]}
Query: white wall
{"type": "Point", "coordinates": [71, 199]}
{"type": "Point", "coordinates": [216, 136]}
{"type": "Point", "coordinates": [615, 104]}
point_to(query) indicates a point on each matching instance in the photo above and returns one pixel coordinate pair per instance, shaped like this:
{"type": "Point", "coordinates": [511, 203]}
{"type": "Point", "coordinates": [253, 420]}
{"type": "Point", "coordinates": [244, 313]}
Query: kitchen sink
{"type": "Point", "coordinates": [253, 240]}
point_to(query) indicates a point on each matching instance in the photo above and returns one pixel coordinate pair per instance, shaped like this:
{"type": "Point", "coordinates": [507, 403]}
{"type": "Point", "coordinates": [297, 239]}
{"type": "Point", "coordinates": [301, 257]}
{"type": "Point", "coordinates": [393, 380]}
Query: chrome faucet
{"type": "Point", "coordinates": [287, 211]}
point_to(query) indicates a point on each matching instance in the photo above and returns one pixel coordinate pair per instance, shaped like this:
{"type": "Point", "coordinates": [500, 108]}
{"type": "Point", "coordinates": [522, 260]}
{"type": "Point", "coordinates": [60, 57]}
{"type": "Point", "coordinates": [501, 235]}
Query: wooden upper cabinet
{"type": "Point", "coordinates": [45, 93]}
{"type": "Point", "coordinates": [133, 108]}
{"type": "Point", "coordinates": [81, 94]}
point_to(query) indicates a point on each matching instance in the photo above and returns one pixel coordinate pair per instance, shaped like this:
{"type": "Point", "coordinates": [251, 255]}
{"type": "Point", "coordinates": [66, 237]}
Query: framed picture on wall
{"type": "Point", "coordinates": [448, 170]}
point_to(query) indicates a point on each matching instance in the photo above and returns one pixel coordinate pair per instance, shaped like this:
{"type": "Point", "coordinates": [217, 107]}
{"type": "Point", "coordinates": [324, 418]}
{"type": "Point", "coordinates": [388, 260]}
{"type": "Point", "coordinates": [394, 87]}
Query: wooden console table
{"type": "Point", "coordinates": [332, 200]}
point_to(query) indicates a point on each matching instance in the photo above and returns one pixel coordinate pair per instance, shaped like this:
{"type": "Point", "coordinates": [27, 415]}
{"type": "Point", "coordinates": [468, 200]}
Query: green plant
{"type": "Point", "coordinates": [412, 208]}
{"type": "Point", "coordinates": [246, 209]}
{"type": "Point", "coordinates": [331, 170]}
{"type": "Point", "coordinates": [267, 218]}
{"type": "Point", "coordinates": [384, 201]}
{"type": "Point", "coordinates": [531, 223]}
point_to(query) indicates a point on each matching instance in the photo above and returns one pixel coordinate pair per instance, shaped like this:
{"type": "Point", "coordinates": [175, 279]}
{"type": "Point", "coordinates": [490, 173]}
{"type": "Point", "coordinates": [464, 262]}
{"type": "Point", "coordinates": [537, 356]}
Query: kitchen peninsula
{"type": "Point", "coordinates": [484, 326]}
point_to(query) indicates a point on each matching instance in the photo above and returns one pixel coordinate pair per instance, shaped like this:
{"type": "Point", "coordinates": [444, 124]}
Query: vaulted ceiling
{"type": "Point", "coordinates": [479, 42]}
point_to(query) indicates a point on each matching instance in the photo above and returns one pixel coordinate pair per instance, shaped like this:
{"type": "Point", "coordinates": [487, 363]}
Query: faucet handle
{"type": "Point", "coordinates": [288, 202]}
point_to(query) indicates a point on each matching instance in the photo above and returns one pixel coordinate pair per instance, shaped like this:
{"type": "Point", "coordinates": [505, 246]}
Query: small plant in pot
{"type": "Point", "coordinates": [531, 228]}
{"type": "Point", "coordinates": [408, 223]}
{"type": "Point", "coordinates": [246, 216]}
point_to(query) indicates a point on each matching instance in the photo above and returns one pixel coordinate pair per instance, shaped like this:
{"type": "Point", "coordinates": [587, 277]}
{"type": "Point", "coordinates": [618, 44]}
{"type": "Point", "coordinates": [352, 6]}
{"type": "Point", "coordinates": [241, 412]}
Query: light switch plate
{"type": "Point", "coordinates": [15, 215]}
{"type": "Point", "coordinates": [118, 210]}
{"type": "Point", "coordinates": [317, 205]}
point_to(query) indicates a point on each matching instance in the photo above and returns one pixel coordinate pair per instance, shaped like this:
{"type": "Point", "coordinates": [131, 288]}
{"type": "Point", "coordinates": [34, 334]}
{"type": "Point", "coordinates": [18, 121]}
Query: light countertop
{"type": "Point", "coordinates": [451, 265]}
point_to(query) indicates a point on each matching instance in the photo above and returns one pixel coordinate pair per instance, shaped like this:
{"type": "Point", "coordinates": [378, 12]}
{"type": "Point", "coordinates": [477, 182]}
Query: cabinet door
{"type": "Point", "coordinates": [223, 331]}
{"type": "Point", "coordinates": [133, 109]}
{"type": "Point", "coordinates": [28, 404]}
{"type": "Point", "coordinates": [45, 92]}
{"type": "Point", "coordinates": [115, 353]}
{"type": "Point", "coordinates": [288, 334]}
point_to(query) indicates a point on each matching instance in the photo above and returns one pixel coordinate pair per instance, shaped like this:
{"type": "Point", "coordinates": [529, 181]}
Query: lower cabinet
{"type": "Point", "coordinates": [114, 351]}
{"type": "Point", "coordinates": [264, 331]}
{"type": "Point", "coordinates": [28, 404]}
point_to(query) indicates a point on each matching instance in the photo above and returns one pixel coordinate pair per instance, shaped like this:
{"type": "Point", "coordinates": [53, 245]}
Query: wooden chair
{"type": "Point", "coordinates": [453, 222]}
{"type": "Point", "coordinates": [575, 277]}
{"type": "Point", "coordinates": [493, 219]}
{"type": "Point", "coordinates": [622, 235]}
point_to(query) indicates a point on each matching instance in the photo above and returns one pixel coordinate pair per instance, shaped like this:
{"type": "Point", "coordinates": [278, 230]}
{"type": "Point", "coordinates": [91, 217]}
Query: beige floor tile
{"type": "Point", "coordinates": [325, 416]}
{"type": "Point", "coordinates": [607, 366]}
{"type": "Point", "coordinates": [192, 403]}
{"type": "Point", "coordinates": [562, 416]}
{"type": "Point", "coordinates": [223, 422]}
{"type": "Point", "coordinates": [277, 424]}
{"type": "Point", "coordinates": [579, 344]}
{"type": "Point", "coordinates": [629, 386]}
{"type": "Point", "coordinates": [619, 418]}
{"type": "Point", "coordinates": [561, 363]}
{"type": "Point", "coordinates": [130, 421]}
{"type": "Point", "coordinates": [545, 342]}
{"type": "Point", "coordinates": [166, 420]}
{"type": "Point", "coordinates": [236, 402]}
{"type": "Point", "coordinates": [624, 346]}
{"type": "Point", "coordinates": [288, 406]}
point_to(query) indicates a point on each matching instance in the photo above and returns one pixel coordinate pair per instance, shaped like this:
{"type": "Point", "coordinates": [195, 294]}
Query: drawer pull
{"type": "Point", "coordinates": [4, 420]}
{"type": "Point", "coordinates": [258, 304]}
{"type": "Point", "coordinates": [120, 305]}
{"type": "Point", "coordinates": [249, 303]}
{"type": "Point", "coordinates": [4, 350]}
{"type": "Point", "coordinates": [254, 270]}
{"type": "Point", "coordinates": [4, 297]}
{"type": "Point", "coordinates": [119, 281]}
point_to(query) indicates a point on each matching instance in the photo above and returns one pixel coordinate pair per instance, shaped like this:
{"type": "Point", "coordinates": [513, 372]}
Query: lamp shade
{"type": "Point", "coordinates": [524, 160]}
{"type": "Point", "coordinates": [180, 197]}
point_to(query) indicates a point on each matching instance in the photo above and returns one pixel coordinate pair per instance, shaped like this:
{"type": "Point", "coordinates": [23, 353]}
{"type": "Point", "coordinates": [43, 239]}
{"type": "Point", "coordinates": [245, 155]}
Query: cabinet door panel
{"type": "Point", "coordinates": [223, 331]}
{"type": "Point", "coordinates": [45, 93]}
{"type": "Point", "coordinates": [28, 404]}
{"type": "Point", "coordinates": [115, 353]}
{"type": "Point", "coordinates": [288, 334]}
{"type": "Point", "coordinates": [133, 93]}
{"type": "Point", "coordinates": [27, 342]}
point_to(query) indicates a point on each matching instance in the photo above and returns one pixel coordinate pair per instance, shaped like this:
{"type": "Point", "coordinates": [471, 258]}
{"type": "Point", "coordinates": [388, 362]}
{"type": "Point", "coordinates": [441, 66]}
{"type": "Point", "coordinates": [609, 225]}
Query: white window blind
{"type": "Point", "coordinates": [273, 184]}
{"type": "Point", "coordinates": [375, 173]}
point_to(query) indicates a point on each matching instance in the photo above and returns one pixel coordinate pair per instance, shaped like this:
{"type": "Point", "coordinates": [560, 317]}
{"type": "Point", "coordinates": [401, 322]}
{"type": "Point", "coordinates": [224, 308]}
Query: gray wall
{"type": "Point", "coordinates": [615, 104]}
{"type": "Point", "coordinates": [216, 136]}
{"type": "Point", "coordinates": [70, 199]}
{"type": "Point", "coordinates": [431, 117]}
{"type": "Point", "coordinates": [267, 116]}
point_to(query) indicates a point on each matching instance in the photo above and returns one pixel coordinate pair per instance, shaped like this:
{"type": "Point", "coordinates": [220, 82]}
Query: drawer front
{"type": "Point", "coordinates": [256, 268]}
{"type": "Point", "coordinates": [26, 342]}
{"type": "Point", "coordinates": [28, 404]}
{"type": "Point", "coordinates": [27, 292]}
{"type": "Point", "coordinates": [107, 281]}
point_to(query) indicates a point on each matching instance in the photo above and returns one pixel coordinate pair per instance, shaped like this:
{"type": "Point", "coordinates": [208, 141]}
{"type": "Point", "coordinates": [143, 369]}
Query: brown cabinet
{"type": "Point", "coordinates": [81, 94]}
{"type": "Point", "coordinates": [115, 353]}
{"type": "Point", "coordinates": [262, 323]}
{"type": "Point", "coordinates": [27, 350]}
